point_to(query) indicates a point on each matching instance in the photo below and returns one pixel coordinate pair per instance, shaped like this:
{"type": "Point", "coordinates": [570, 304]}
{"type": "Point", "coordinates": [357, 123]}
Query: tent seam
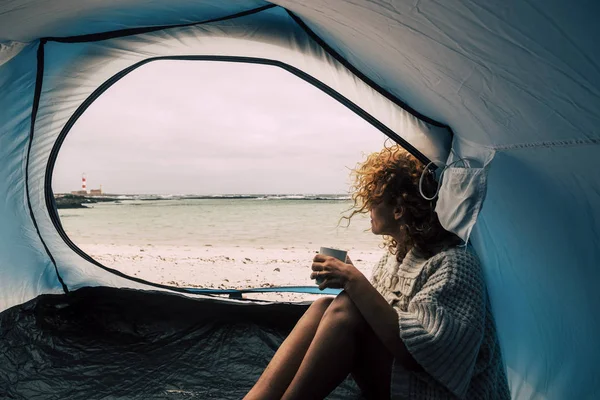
{"type": "Point", "coordinates": [554, 143]}
{"type": "Point", "coordinates": [518, 146]}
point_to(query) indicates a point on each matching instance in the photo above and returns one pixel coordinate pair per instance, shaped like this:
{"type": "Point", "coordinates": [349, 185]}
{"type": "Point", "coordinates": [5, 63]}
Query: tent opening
{"type": "Point", "coordinates": [196, 173]}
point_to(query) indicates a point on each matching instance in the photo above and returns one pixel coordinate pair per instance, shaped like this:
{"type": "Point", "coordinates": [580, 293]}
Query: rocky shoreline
{"type": "Point", "coordinates": [77, 201]}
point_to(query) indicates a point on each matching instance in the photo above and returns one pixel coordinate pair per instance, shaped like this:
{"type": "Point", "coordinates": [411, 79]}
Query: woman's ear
{"type": "Point", "coordinates": [398, 213]}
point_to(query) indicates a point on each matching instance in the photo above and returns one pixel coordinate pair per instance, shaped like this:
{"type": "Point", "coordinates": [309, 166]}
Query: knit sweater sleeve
{"type": "Point", "coordinates": [443, 327]}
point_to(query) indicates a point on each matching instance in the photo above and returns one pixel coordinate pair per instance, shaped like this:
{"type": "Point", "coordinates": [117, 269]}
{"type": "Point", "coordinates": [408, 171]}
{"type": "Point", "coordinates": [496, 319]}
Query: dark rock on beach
{"type": "Point", "coordinates": [77, 201]}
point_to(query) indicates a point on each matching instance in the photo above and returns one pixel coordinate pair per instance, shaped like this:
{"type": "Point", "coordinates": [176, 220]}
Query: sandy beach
{"type": "Point", "coordinates": [221, 243]}
{"type": "Point", "coordinates": [220, 267]}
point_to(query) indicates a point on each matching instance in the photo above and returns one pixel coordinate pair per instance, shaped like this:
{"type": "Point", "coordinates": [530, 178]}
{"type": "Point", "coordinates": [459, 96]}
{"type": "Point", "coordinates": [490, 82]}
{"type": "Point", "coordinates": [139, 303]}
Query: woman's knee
{"type": "Point", "coordinates": [317, 308]}
{"type": "Point", "coordinates": [343, 311]}
{"type": "Point", "coordinates": [321, 304]}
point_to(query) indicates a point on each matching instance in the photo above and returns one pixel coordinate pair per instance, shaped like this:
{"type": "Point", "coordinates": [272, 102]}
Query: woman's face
{"type": "Point", "coordinates": [385, 219]}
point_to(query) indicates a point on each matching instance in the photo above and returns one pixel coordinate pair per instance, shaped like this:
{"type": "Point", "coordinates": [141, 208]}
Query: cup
{"type": "Point", "coordinates": [336, 253]}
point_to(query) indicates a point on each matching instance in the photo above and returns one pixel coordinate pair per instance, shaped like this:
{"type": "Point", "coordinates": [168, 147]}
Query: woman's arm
{"type": "Point", "coordinates": [381, 316]}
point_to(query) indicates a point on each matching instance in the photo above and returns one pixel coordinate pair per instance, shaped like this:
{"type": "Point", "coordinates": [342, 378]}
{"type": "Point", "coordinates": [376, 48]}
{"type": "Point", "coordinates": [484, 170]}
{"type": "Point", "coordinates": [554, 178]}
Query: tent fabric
{"type": "Point", "coordinates": [518, 79]}
{"type": "Point", "coordinates": [9, 50]}
{"type": "Point", "coordinates": [501, 74]}
{"type": "Point", "coordinates": [28, 21]}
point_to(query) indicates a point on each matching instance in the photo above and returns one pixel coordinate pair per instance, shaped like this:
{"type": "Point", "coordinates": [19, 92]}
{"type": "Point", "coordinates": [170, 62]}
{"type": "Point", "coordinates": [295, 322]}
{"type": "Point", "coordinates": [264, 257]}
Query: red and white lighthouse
{"type": "Point", "coordinates": [83, 183]}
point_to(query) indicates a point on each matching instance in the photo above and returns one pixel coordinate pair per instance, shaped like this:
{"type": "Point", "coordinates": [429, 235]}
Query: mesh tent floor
{"type": "Point", "coordinates": [98, 343]}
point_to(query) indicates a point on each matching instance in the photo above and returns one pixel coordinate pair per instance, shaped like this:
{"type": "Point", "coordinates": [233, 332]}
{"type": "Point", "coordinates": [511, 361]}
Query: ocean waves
{"type": "Point", "coordinates": [261, 197]}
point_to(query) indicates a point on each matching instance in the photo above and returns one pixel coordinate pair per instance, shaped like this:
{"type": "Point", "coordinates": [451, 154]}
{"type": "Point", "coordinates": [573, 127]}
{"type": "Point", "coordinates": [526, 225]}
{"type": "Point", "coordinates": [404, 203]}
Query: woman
{"type": "Point", "coordinates": [421, 328]}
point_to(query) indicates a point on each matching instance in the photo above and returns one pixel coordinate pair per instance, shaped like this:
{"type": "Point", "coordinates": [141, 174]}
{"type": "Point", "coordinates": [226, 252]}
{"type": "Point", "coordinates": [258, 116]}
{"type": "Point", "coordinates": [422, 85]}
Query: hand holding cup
{"type": "Point", "coordinates": [332, 268]}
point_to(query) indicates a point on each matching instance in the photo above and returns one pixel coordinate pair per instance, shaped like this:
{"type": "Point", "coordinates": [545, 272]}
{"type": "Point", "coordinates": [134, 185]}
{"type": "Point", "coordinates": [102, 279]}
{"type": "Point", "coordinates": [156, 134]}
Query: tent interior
{"type": "Point", "coordinates": [513, 86]}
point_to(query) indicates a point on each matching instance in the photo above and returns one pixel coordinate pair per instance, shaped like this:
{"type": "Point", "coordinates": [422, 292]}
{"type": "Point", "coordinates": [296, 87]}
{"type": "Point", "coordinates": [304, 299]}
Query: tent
{"type": "Point", "coordinates": [514, 85]}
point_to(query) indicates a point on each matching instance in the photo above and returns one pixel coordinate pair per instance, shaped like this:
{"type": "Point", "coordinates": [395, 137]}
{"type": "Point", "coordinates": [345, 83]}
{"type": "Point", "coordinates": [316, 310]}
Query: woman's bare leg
{"type": "Point", "coordinates": [281, 370]}
{"type": "Point", "coordinates": [332, 353]}
{"type": "Point", "coordinates": [372, 368]}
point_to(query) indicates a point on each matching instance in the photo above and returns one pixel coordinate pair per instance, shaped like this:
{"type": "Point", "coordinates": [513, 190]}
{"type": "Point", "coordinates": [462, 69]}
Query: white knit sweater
{"type": "Point", "coordinates": [446, 324]}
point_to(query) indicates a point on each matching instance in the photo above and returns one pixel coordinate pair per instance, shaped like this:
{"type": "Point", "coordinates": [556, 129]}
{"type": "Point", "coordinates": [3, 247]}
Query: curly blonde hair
{"type": "Point", "coordinates": [392, 176]}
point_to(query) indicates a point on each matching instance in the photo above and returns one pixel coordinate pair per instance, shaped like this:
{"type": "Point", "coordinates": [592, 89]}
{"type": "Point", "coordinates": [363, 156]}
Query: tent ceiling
{"type": "Point", "coordinates": [25, 21]}
{"type": "Point", "coordinates": [498, 73]}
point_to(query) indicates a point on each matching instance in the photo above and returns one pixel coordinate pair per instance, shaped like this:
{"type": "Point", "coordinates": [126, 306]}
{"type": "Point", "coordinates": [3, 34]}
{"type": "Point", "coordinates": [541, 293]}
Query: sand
{"type": "Point", "coordinates": [220, 267]}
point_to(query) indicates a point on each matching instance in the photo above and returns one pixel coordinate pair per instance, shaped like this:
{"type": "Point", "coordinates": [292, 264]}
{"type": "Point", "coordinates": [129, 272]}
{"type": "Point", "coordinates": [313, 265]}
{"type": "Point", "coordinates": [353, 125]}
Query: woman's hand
{"type": "Point", "coordinates": [333, 273]}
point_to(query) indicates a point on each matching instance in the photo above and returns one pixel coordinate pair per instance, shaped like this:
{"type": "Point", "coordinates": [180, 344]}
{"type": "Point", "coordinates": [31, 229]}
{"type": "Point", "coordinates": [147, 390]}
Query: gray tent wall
{"type": "Point", "coordinates": [518, 79]}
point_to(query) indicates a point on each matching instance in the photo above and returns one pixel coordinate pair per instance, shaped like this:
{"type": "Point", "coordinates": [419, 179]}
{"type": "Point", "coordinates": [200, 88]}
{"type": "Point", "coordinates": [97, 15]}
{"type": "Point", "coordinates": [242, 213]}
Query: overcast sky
{"type": "Point", "coordinates": [201, 127]}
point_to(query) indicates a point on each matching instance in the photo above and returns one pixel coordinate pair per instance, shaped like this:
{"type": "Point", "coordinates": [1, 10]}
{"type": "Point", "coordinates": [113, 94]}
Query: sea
{"type": "Point", "coordinates": [267, 221]}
